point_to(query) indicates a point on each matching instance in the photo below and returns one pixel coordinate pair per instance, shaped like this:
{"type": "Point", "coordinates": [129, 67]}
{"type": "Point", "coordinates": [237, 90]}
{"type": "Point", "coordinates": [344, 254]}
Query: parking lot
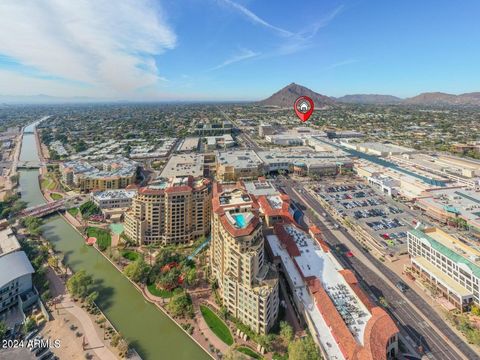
{"type": "Point", "coordinates": [379, 215]}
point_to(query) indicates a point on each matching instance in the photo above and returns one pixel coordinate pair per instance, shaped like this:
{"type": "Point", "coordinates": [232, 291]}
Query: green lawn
{"type": "Point", "coordinates": [56, 196]}
{"type": "Point", "coordinates": [247, 351]}
{"type": "Point", "coordinates": [48, 183]}
{"type": "Point", "coordinates": [73, 211]}
{"type": "Point", "coordinates": [152, 289]}
{"type": "Point", "coordinates": [104, 239]}
{"type": "Point", "coordinates": [130, 255]}
{"type": "Point", "coordinates": [216, 325]}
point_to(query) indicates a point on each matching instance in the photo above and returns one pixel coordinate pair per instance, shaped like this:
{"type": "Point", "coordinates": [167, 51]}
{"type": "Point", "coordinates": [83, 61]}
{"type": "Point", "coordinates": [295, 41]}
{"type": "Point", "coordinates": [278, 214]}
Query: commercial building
{"type": "Point", "coordinates": [464, 171]}
{"type": "Point", "coordinates": [450, 266]}
{"type": "Point", "coordinates": [181, 164]}
{"type": "Point", "coordinates": [203, 130]}
{"type": "Point", "coordinates": [304, 162]}
{"type": "Point", "coordinates": [265, 129]}
{"type": "Point", "coordinates": [343, 134]}
{"type": "Point", "coordinates": [219, 141]}
{"type": "Point", "coordinates": [452, 205]}
{"type": "Point", "coordinates": [284, 140]}
{"type": "Point", "coordinates": [386, 184]}
{"type": "Point", "coordinates": [16, 290]}
{"type": "Point", "coordinates": [109, 174]}
{"type": "Point", "coordinates": [188, 144]}
{"type": "Point", "coordinates": [237, 165]}
{"type": "Point", "coordinates": [410, 184]}
{"type": "Point", "coordinates": [113, 199]}
{"type": "Point", "coordinates": [379, 149]}
{"type": "Point", "coordinates": [294, 137]}
{"type": "Point", "coordinates": [170, 211]}
{"type": "Point", "coordinates": [342, 319]}
{"type": "Point", "coordinates": [247, 283]}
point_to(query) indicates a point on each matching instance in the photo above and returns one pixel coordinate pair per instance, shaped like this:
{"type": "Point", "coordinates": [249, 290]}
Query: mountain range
{"type": "Point", "coordinates": [287, 96]}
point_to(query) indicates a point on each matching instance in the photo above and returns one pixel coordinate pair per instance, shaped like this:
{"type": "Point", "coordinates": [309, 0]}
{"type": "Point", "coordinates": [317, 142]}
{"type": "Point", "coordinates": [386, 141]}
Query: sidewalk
{"type": "Point", "coordinates": [212, 338]}
{"type": "Point", "coordinates": [94, 342]}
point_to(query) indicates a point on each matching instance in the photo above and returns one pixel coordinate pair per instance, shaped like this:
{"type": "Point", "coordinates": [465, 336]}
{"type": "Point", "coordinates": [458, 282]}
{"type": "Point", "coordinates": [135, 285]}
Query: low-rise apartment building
{"type": "Point", "coordinates": [170, 211]}
{"type": "Point", "coordinates": [109, 174]}
{"type": "Point", "coordinates": [450, 266]}
{"type": "Point", "coordinates": [247, 283]}
{"type": "Point", "coordinates": [113, 199]}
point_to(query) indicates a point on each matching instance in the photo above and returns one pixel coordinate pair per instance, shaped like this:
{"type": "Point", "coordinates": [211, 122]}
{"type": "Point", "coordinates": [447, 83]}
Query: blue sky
{"type": "Point", "coordinates": [237, 49]}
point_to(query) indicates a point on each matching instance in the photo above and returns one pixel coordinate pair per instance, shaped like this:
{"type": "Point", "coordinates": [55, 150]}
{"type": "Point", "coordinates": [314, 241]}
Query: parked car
{"type": "Point", "coordinates": [402, 286]}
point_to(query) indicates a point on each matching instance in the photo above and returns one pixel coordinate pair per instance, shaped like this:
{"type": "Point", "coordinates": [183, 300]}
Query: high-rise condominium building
{"type": "Point", "coordinates": [170, 211]}
{"type": "Point", "coordinates": [248, 284]}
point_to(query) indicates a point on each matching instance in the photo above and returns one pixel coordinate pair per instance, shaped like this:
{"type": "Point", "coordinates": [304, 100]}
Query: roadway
{"type": "Point", "coordinates": [244, 137]}
{"type": "Point", "coordinates": [414, 316]}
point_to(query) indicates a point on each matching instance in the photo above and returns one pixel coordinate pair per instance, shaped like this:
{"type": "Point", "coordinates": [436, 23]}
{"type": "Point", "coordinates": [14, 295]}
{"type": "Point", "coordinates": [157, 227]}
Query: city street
{"type": "Point", "coordinates": [414, 316]}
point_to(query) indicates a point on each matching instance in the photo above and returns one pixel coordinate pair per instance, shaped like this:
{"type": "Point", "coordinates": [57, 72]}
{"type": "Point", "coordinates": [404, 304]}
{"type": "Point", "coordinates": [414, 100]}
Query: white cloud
{"type": "Point", "coordinates": [109, 46]}
{"type": "Point", "coordinates": [244, 54]}
{"type": "Point", "coordinates": [341, 63]}
{"type": "Point", "coordinates": [292, 42]}
{"type": "Point", "coordinates": [255, 18]}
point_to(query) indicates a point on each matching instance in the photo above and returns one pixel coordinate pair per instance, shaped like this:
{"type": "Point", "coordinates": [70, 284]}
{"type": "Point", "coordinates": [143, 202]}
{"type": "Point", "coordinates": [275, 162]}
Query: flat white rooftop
{"type": "Point", "coordinates": [8, 241]}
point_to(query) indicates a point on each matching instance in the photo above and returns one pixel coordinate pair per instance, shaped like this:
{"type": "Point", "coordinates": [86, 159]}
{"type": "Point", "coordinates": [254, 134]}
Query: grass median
{"type": "Point", "coordinates": [217, 325]}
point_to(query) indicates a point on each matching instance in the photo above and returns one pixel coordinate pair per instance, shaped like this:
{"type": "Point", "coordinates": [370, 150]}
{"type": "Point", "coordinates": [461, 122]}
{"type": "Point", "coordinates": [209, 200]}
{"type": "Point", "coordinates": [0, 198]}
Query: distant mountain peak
{"type": "Point", "coordinates": [369, 99]}
{"type": "Point", "coordinates": [286, 96]}
{"type": "Point", "coordinates": [444, 99]}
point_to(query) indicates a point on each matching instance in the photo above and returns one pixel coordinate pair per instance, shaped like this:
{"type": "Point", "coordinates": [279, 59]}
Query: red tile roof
{"type": "Point", "coordinates": [380, 327]}
{"type": "Point", "coordinates": [268, 210]}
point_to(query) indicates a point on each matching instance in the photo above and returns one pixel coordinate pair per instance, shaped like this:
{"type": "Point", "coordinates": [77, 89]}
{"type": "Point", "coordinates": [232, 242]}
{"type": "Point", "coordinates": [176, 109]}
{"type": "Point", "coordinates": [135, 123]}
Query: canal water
{"type": "Point", "coordinates": [152, 334]}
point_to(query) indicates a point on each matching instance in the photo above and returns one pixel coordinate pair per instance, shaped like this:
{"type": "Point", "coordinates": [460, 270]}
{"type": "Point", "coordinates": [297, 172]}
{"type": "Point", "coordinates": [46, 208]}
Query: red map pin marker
{"type": "Point", "coordinates": [303, 107]}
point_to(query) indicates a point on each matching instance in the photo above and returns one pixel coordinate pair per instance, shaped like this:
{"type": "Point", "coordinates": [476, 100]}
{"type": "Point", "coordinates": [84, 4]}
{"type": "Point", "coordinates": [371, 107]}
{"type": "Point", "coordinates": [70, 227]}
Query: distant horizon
{"type": "Point", "coordinates": [88, 100]}
{"type": "Point", "coordinates": [236, 50]}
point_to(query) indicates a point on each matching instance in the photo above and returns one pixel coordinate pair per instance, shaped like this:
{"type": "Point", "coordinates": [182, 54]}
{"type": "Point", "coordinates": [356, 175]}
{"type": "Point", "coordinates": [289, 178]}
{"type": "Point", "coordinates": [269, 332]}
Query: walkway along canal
{"type": "Point", "coordinates": [153, 335]}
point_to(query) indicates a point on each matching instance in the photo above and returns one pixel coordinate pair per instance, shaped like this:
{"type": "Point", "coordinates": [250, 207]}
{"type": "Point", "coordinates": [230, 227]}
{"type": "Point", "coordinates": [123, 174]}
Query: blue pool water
{"type": "Point", "coordinates": [240, 220]}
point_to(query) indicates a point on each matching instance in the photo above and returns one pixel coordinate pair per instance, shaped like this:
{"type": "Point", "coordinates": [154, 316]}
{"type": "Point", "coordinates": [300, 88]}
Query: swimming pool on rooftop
{"type": "Point", "coordinates": [240, 221]}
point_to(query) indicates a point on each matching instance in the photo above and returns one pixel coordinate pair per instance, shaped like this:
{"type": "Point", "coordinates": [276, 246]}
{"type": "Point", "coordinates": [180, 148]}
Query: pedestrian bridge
{"type": "Point", "coordinates": [44, 209]}
{"type": "Point", "coordinates": [29, 165]}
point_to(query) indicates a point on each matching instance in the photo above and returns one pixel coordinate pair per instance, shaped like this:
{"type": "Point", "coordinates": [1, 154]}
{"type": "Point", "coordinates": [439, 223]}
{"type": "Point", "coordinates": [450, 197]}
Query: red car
{"type": "Point", "coordinates": [349, 254]}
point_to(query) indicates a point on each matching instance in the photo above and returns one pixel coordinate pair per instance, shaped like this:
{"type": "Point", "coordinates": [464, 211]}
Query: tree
{"type": "Point", "coordinates": [191, 276]}
{"type": "Point", "coordinates": [79, 284]}
{"type": "Point", "coordinates": [475, 310]}
{"type": "Point", "coordinates": [223, 312]}
{"type": "Point", "coordinates": [3, 329]}
{"type": "Point", "coordinates": [28, 325]}
{"type": "Point", "coordinates": [286, 332]}
{"type": "Point", "coordinates": [383, 301]}
{"type": "Point", "coordinates": [33, 225]}
{"type": "Point", "coordinates": [123, 346]}
{"type": "Point", "coordinates": [137, 271]}
{"type": "Point", "coordinates": [180, 305]}
{"type": "Point", "coordinates": [168, 280]}
{"type": "Point", "coordinates": [90, 299]}
{"type": "Point", "coordinates": [303, 349]}
{"type": "Point", "coordinates": [266, 341]}
{"type": "Point", "coordinates": [53, 262]}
